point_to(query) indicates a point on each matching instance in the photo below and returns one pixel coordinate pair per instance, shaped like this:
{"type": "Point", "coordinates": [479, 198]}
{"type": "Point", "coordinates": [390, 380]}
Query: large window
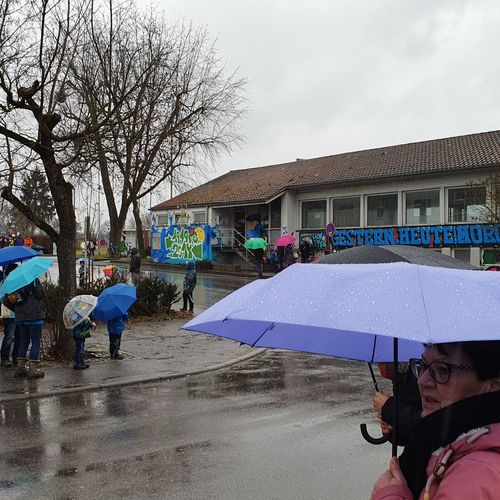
{"type": "Point", "coordinates": [422, 207]}
{"type": "Point", "coordinates": [382, 210]}
{"type": "Point", "coordinates": [314, 214]}
{"type": "Point", "coordinates": [467, 204]}
{"type": "Point", "coordinates": [276, 213]}
{"type": "Point", "coordinates": [162, 220]}
{"type": "Point", "coordinates": [346, 212]}
{"type": "Point", "coordinates": [199, 217]}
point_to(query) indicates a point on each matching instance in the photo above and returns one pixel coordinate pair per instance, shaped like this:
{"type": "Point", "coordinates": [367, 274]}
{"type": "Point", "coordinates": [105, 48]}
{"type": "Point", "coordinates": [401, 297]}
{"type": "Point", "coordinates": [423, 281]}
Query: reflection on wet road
{"type": "Point", "coordinates": [283, 425]}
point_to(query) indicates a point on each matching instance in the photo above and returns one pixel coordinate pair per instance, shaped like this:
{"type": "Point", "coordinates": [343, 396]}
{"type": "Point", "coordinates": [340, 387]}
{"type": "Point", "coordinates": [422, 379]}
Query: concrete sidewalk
{"type": "Point", "coordinates": [153, 351]}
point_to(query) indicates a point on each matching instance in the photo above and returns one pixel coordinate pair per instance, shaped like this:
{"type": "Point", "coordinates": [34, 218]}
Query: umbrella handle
{"type": "Point", "coordinates": [370, 439]}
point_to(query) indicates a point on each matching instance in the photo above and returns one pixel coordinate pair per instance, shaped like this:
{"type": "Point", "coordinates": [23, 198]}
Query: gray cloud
{"type": "Point", "coordinates": [333, 76]}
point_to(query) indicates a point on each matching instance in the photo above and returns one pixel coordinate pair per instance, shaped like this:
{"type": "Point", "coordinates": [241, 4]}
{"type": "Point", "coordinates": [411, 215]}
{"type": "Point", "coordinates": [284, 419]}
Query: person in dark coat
{"type": "Point", "coordinates": [280, 253]}
{"type": "Point", "coordinates": [409, 403]}
{"type": "Point", "coordinates": [135, 262]}
{"type": "Point", "coordinates": [188, 288]}
{"type": "Point", "coordinates": [259, 261]}
{"type": "Point", "coordinates": [305, 251]}
{"type": "Point", "coordinates": [27, 304]}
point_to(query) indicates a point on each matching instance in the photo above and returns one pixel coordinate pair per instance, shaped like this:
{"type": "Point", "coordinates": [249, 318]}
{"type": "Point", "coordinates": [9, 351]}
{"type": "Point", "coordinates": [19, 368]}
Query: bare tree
{"type": "Point", "coordinates": [41, 114]}
{"type": "Point", "coordinates": [182, 116]}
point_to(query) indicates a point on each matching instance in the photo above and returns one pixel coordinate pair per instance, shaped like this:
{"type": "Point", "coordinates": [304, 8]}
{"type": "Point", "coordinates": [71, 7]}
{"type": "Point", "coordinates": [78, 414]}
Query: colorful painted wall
{"type": "Point", "coordinates": [181, 244]}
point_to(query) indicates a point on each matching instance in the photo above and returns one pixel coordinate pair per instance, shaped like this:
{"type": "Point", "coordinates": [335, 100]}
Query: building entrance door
{"type": "Point", "coordinates": [239, 221]}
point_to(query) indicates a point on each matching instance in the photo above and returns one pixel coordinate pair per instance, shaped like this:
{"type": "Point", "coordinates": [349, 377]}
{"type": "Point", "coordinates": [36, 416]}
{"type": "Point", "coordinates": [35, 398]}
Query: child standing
{"type": "Point", "coordinates": [189, 284]}
{"type": "Point", "coordinates": [80, 333]}
{"type": "Point", "coordinates": [81, 274]}
{"type": "Point", "coordinates": [115, 330]}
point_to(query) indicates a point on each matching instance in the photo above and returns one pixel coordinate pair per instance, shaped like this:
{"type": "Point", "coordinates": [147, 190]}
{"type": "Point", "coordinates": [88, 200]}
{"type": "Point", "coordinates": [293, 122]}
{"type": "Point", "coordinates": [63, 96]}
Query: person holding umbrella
{"type": "Point", "coordinates": [112, 306]}
{"type": "Point", "coordinates": [23, 294]}
{"type": "Point", "coordinates": [76, 318]}
{"type": "Point", "coordinates": [11, 332]}
{"type": "Point", "coordinates": [455, 449]}
{"type": "Point", "coordinates": [27, 305]}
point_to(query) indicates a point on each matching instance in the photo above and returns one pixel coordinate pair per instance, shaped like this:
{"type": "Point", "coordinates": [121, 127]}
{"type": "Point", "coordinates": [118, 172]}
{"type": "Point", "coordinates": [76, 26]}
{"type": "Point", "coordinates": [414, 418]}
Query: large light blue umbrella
{"type": "Point", "coordinates": [9, 255]}
{"type": "Point", "coordinates": [366, 312]}
{"type": "Point", "coordinates": [355, 310]}
{"type": "Point", "coordinates": [114, 301]}
{"type": "Point", "coordinates": [25, 274]}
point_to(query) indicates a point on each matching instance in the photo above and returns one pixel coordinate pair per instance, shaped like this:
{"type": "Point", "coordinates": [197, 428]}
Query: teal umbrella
{"type": "Point", "coordinates": [255, 244]}
{"type": "Point", "coordinates": [25, 274]}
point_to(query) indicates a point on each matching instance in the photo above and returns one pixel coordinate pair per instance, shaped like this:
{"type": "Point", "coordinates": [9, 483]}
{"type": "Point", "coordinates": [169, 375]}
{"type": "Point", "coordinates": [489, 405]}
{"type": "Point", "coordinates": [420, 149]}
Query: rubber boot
{"type": "Point", "coordinates": [112, 346]}
{"type": "Point", "coordinates": [35, 370]}
{"type": "Point", "coordinates": [117, 352]}
{"type": "Point", "coordinates": [22, 368]}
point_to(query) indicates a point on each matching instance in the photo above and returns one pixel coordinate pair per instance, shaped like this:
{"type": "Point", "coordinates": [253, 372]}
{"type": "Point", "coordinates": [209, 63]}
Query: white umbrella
{"type": "Point", "coordinates": [78, 309]}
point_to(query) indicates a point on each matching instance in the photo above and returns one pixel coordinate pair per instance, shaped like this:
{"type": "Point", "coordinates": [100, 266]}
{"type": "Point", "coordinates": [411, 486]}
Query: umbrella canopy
{"type": "Point", "coordinates": [115, 301]}
{"type": "Point", "coordinates": [255, 244]}
{"type": "Point", "coordinates": [355, 311]}
{"type": "Point", "coordinates": [9, 255]}
{"type": "Point", "coordinates": [373, 254]}
{"type": "Point", "coordinates": [78, 309]}
{"type": "Point", "coordinates": [285, 240]}
{"type": "Point", "coordinates": [25, 274]}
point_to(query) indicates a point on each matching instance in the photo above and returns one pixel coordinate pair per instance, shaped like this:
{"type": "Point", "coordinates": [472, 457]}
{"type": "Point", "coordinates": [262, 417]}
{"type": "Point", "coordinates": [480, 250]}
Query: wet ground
{"type": "Point", "coordinates": [280, 426]}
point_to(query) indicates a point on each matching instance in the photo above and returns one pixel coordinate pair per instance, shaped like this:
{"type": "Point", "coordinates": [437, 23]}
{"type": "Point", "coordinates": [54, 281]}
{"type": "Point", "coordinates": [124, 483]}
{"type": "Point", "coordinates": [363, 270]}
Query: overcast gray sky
{"type": "Point", "coordinates": [329, 76]}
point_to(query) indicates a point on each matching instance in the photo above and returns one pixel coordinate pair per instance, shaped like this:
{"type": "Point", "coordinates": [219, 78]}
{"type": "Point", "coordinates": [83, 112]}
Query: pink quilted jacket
{"type": "Point", "coordinates": [470, 470]}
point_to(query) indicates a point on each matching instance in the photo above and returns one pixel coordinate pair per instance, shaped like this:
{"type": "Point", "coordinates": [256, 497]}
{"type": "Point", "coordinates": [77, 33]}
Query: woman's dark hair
{"type": "Point", "coordinates": [484, 356]}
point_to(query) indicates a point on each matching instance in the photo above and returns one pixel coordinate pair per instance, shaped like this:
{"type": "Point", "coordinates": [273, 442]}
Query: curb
{"type": "Point", "coordinates": [129, 381]}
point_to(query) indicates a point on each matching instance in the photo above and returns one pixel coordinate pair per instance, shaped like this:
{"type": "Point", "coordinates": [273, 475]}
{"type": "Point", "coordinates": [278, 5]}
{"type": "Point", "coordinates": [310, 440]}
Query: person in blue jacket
{"type": "Point", "coordinates": [115, 330]}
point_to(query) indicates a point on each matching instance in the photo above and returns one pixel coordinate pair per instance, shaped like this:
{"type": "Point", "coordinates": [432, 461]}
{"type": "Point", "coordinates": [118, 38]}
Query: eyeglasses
{"type": "Point", "coordinates": [439, 371]}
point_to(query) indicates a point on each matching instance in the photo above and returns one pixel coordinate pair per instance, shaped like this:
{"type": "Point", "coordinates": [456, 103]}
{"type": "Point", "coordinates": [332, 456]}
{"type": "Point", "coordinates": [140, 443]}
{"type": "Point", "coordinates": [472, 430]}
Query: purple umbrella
{"type": "Point", "coordinates": [366, 312]}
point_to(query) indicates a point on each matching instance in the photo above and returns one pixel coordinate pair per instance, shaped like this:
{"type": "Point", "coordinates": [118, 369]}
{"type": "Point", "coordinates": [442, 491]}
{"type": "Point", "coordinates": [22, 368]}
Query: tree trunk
{"type": "Point", "coordinates": [66, 251]}
{"type": "Point", "coordinates": [62, 194]}
{"type": "Point", "coordinates": [139, 231]}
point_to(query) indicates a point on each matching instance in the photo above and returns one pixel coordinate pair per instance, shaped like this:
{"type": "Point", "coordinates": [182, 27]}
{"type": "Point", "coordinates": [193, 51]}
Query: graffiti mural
{"type": "Point", "coordinates": [181, 244]}
{"type": "Point", "coordinates": [317, 238]}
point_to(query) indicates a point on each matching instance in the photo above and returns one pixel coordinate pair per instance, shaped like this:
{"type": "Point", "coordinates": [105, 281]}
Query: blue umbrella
{"type": "Point", "coordinates": [9, 255]}
{"type": "Point", "coordinates": [366, 312]}
{"type": "Point", "coordinates": [25, 274]}
{"type": "Point", "coordinates": [114, 301]}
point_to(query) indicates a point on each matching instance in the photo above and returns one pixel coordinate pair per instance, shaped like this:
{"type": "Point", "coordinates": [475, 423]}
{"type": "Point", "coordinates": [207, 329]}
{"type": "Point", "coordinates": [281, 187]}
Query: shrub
{"type": "Point", "coordinates": [154, 296]}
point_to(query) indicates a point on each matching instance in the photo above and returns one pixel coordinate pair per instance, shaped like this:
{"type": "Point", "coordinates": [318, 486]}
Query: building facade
{"type": "Point", "coordinates": [442, 194]}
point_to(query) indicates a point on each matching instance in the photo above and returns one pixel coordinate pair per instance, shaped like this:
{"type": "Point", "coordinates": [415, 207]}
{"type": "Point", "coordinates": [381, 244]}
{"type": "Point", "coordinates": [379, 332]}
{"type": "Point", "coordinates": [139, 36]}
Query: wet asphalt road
{"type": "Point", "coordinates": [281, 426]}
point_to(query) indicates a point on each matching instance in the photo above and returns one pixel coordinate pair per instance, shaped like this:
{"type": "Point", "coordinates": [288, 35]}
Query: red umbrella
{"type": "Point", "coordinates": [288, 239]}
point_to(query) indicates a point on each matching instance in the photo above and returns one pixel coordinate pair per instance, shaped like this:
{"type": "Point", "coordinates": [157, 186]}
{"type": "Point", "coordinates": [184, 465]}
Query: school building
{"type": "Point", "coordinates": [442, 194]}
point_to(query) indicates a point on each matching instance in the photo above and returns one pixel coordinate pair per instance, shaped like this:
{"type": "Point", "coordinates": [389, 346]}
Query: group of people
{"type": "Point", "coordinates": [11, 240]}
{"type": "Point", "coordinates": [81, 332]}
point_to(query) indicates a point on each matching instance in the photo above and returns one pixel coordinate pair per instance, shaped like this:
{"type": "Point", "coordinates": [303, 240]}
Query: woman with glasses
{"type": "Point", "coordinates": [455, 450]}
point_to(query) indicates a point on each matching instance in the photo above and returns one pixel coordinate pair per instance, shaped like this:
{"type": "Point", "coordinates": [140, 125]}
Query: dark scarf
{"type": "Point", "coordinates": [442, 427]}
